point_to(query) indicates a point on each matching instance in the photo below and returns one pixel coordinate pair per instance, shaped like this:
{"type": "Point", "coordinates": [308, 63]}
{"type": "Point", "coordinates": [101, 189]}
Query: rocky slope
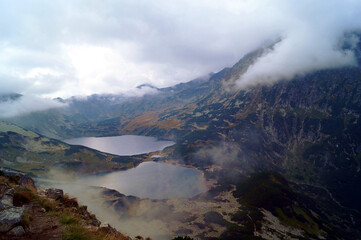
{"type": "Point", "coordinates": [30, 213]}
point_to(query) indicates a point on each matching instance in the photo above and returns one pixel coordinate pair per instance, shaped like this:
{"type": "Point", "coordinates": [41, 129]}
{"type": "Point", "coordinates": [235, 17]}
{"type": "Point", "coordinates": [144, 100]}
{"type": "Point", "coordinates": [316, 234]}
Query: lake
{"type": "Point", "coordinates": [153, 180]}
{"type": "Point", "coordinates": [124, 145]}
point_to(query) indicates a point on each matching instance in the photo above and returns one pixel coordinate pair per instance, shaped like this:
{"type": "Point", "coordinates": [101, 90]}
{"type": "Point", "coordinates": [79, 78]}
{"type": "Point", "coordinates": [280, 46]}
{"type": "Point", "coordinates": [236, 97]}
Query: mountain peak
{"type": "Point", "coordinates": [5, 97]}
{"type": "Point", "coordinates": [147, 85]}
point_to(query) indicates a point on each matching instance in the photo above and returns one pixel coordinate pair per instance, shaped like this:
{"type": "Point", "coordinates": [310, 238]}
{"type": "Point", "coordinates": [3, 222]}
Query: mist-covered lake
{"type": "Point", "coordinates": [124, 145]}
{"type": "Point", "coordinates": [153, 180]}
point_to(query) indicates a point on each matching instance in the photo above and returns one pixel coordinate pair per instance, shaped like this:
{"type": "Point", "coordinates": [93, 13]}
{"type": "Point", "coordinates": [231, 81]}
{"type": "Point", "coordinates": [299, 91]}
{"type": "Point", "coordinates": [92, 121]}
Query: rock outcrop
{"type": "Point", "coordinates": [10, 218]}
{"type": "Point", "coordinates": [54, 193]}
{"type": "Point", "coordinates": [28, 182]}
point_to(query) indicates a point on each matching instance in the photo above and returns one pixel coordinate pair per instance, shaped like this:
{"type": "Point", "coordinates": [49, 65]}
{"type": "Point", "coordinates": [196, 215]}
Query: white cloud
{"type": "Point", "coordinates": [68, 48]}
{"type": "Point", "coordinates": [25, 105]}
{"type": "Point", "coordinates": [311, 41]}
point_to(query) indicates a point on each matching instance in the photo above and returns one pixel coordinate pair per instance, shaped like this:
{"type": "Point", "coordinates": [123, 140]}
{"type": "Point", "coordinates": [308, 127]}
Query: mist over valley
{"type": "Point", "coordinates": [180, 120]}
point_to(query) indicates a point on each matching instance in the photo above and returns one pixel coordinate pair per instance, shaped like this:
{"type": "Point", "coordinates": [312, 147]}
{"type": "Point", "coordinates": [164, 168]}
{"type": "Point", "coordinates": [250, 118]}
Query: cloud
{"type": "Point", "coordinates": [25, 105]}
{"type": "Point", "coordinates": [312, 41]}
{"type": "Point", "coordinates": [86, 47]}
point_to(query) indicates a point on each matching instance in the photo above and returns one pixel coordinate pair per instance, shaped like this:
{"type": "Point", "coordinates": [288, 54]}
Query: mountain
{"type": "Point", "coordinates": [298, 139]}
{"type": "Point", "coordinates": [9, 97]}
{"type": "Point", "coordinates": [62, 123]}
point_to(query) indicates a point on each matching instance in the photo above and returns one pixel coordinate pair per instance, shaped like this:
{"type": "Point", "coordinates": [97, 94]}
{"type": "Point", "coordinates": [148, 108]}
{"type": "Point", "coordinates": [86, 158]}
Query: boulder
{"type": "Point", "coordinates": [104, 225]}
{"type": "Point", "coordinates": [10, 192]}
{"type": "Point", "coordinates": [28, 182]}
{"type": "Point", "coordinates": [3, 188]}
{"type": "Point", "coordinates": [54, 193]}
{"type": "Point", "coordinates": [16, 231]}
{"type": "Point", "coordinates": [6, 201]}
{"type": "Point", "coordinates": [95, 222]}
{"type": "Point", "coordinates": [10, 217]}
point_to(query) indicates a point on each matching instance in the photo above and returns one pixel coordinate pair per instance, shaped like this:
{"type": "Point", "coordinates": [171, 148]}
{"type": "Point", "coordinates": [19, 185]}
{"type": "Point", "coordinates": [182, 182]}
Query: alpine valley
{"type": "Point", "coordinates": [283, 158]}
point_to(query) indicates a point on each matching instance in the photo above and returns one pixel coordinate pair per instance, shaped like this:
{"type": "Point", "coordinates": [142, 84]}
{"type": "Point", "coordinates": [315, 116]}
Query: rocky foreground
{"type": "Point", "coordinates": [30, 213]}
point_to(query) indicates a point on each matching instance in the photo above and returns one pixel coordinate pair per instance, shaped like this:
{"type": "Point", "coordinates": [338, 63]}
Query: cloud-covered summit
{"type": "Point", "coordinates": [64, 48]}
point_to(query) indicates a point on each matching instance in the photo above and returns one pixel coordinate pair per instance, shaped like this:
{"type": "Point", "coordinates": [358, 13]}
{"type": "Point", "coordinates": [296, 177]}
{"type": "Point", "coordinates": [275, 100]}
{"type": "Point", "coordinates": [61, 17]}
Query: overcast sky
{"type": "Point", "coordinates": [64, 48]}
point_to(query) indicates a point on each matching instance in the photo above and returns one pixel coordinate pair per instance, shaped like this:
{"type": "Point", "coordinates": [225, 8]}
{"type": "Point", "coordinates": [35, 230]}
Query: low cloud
{"type": "Point", "coordinates": [25, 105]}
{"type": "Point", "coordinates": [131, 215]}
{"type": "Point", "coordinates": [297, 55]}
{"type": "Point", "coordinates": [312, 39]}
{"type": "Point", "coordinates": [81, 47]}
{"type": "Point", "coordinates": [224, 154]}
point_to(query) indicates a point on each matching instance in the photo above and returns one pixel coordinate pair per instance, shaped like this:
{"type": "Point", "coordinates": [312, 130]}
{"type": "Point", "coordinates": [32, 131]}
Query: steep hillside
{"type": "Point", "coordinates": [30, 213]}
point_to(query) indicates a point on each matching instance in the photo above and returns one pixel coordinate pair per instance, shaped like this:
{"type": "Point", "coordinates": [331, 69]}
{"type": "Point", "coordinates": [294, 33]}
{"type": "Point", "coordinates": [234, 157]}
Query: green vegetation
{"type": "Point", "coordinates": [76, 232]}
{"type": "Point", "coordinates": [67, 219]}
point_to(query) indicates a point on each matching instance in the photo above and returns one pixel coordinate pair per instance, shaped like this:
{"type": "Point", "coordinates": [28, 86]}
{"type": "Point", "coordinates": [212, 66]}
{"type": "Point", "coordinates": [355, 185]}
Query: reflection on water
{"type": "Point", "coordinates": [152, 180]}
{"type": "Point", "coordinates": [124, 145]}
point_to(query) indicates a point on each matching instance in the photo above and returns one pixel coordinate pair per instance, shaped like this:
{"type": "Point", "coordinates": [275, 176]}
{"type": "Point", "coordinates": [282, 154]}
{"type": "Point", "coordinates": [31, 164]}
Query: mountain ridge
{"type": "Point", "coordinates": [307, 129]}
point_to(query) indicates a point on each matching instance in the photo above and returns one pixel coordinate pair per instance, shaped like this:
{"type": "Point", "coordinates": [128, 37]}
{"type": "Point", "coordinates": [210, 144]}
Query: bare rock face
{"type": "Point", "coordinates": [3, 188]}
{"type": "Point", "coordinates": [7, 200]}
{"type": "Point", "coordinates": [28, 182]}
{"type": "Point", "coordinates": [95, 222]}
{"type": "Point", "coordinates": [10, 217]}
{"type": "Point", "coordinates": [54, 193]}
{"type": "Point", "coordinates": [107, 228]}
{"type": "Point", "coordinates": [16, 231]}
{"type": "Point", "coordinates": [104, 225]}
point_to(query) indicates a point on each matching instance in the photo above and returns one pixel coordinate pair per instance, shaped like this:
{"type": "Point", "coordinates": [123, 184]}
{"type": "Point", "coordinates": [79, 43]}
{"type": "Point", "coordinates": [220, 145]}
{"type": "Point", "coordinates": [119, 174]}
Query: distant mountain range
{"type": "Point", "coordinates": [300, 139]}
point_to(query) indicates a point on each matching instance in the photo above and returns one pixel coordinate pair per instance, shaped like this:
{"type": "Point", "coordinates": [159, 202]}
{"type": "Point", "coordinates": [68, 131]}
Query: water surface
{"type": "Point", "coordinates": [124, 145]}
{"type": "Point", "coordinates": [152, 180]}
{"type": "Point", "coordinates": [149, 179]}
